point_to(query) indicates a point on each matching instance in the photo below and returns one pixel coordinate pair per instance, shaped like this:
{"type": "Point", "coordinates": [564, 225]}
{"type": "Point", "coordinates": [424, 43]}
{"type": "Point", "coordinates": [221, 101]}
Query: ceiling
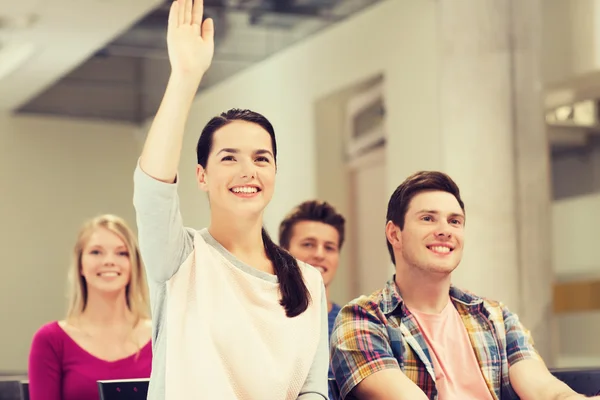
{"type": "Point", "coordinates": [107, 59]}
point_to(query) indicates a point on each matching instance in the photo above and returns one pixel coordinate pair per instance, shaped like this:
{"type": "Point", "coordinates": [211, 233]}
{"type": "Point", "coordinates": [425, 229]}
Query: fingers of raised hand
{"type": "Point", "coordinates": [186, 12]}
{"type": "Point", "coordinates": [198, 12]}
{"type": "Point", "coordinates": [187, 16]}
{"type": "Point", "coordinates": [174, 14]}
{"type": "Point", "coordinates": [181, 13]}
{"type": "Point", "coordinates": [190, 13]}
{"type": "Point", "coordinates": [208, 30]}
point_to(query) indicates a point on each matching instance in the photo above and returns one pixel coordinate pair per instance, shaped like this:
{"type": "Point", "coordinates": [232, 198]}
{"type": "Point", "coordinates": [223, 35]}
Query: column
{"type": "Point", "coordinates": [493, 143]}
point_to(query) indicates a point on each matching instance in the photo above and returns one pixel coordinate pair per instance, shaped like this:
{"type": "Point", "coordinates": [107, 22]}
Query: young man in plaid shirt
{"type": "Point", "coordinates": [422, 338]}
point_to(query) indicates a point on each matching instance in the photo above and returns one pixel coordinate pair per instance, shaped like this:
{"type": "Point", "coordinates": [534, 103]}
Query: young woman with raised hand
{"type": "Point", "coordinates": [234, 315]}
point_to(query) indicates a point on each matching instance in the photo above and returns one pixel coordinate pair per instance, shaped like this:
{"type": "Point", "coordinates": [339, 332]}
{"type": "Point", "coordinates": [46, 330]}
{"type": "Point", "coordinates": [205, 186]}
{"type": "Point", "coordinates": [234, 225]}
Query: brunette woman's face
{"type": "Point", "coordinates": [240, 172]}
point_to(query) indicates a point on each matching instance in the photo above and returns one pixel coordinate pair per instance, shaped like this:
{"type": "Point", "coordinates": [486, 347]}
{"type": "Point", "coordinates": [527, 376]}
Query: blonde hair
{"type": "Point", "coordinates": [137, 289]}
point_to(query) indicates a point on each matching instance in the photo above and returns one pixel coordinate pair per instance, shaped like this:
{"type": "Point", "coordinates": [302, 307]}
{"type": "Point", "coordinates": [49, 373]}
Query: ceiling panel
{"type": "Point", "coordinates": [125, 80]}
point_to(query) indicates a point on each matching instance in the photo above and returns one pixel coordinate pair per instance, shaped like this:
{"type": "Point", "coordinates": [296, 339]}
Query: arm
{"type": "Point", "coordinates": [529, 376]}
{"type": "Point", "coordinates": [388, 384]}
{"type": "Point", "coordinates": [362, 359]}
{"type": "Point", "coordinates": [164, 243]}
{"type": "Point", "coordinates": [532, 381]}
{"type": "Point", "coordinates": [45, 368]}
{"type": "Point", "coordinates": [191, 49]}
{"type": "Point", "coordinates": [315, 386]}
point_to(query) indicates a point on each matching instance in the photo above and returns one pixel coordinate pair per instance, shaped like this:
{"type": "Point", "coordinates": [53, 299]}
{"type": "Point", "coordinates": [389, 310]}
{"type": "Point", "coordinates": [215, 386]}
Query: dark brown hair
{"type": "Point", "coordinates": [311, 210]}
{"type": "Point", "coordinates": [413, 185]}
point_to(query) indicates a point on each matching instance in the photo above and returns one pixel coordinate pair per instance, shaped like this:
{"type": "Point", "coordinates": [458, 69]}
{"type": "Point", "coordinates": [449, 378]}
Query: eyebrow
{"type": "Point", "coordinates": [99, 246]}
{"type": "Point", "coordinates": [237, 151]}
{"type": "Point", "coordinates": [438, 213]}
{"type": "Point", "coordinates": [314, 239]}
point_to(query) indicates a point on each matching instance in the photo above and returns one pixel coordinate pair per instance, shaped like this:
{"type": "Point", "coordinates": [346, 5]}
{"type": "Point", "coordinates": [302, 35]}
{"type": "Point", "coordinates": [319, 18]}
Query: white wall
{"type": "Point", "coordinates": [54, 174]}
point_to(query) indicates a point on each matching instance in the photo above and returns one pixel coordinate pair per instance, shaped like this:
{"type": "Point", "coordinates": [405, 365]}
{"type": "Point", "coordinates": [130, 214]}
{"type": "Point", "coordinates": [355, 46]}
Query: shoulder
{"type": "Point", "coordinates": [311, 275]}
{"type": "Point", "coordinates": [144, 335]}
{"type": "Point", "coordinates": [144, 329]}
{"type": "Point", "coordinates": [496, 311]}
{"type": "Point", "coordinates": [49, 335]}
{"type": "Point", "coordinates": [314, 283]}
{"type": "Point", "coordinates": [470, 299]}
{"type": "Point", "coordinates": [366, 303]}
{"type": "Point", "coordinates": [359, 328]}
{"type": "Point", "coordinates": [51, 330]}
{"type": "Point", "coordinates": [362, 314]}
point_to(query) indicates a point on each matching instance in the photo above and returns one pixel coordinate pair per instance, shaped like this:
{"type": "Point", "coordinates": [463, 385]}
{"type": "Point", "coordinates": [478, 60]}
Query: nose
{"type": "Point", "coordinates": [248, 170]}
{"type": "Point", "coordinates": [319, 252]}
{"type": "Point", "coordinates": [443, 230]}
{"type": "Point", "coordinates": [109, 259]}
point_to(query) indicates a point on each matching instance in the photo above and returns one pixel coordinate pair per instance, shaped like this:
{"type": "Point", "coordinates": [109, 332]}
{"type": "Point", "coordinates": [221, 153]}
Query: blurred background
{"type": "Point", "coordinates": [501, 94]}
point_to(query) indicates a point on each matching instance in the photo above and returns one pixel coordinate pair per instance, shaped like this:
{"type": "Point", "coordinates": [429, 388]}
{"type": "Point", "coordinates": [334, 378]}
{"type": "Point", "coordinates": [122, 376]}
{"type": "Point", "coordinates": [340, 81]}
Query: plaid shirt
{"type": "Point", "coordinates": [377, 332]}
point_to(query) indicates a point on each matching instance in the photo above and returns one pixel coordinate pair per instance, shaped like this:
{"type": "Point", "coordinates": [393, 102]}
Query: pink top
{"type": "Point", "coordinates": [457, 372]}
{"type": "Point", "coordinates": [60, 369]}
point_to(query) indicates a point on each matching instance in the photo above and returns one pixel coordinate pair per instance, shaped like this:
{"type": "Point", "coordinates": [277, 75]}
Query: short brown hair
{"type": "Point", "coordinates": [413, 185]}
{"type": "Point", "coordinates": [311, 210]}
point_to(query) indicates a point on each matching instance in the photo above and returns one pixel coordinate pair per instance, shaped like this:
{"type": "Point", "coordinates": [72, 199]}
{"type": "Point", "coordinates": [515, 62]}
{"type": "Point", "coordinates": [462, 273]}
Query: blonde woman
{"type": "Point", "coordinates": [107, 331]}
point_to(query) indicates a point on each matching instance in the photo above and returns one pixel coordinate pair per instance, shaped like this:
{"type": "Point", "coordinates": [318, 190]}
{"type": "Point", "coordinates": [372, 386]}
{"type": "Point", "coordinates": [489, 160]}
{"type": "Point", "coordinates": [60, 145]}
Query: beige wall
{"type": "Point", "coordinates": [54, 174]}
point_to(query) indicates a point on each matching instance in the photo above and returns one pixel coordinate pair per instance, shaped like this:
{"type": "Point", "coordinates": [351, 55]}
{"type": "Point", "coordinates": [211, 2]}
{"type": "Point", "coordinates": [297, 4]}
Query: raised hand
{"type": "Point", "coordinates": [190, 41]}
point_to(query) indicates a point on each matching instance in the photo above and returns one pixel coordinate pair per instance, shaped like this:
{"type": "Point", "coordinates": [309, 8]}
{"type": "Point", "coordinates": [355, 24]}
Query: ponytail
{"type": "Point", "coordinates": [294, 293]}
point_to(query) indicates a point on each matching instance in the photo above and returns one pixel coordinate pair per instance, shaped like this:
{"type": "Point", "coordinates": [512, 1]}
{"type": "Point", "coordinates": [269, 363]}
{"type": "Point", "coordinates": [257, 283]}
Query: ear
{"type": "Point", "coordinates": [392, 232]}
{"type": "Point", "coordinates": [201, 178]}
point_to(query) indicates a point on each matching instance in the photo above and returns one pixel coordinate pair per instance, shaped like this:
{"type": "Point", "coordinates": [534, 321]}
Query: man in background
{"type": "Point", "coordinates": [313, 232]}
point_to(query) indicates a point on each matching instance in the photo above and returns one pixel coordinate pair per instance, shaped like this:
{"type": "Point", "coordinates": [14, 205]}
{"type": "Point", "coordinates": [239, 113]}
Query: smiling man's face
{"type": "Point", "coordinates": [317, 244]}
{"type": "Point", "coordinates": [433, 235]}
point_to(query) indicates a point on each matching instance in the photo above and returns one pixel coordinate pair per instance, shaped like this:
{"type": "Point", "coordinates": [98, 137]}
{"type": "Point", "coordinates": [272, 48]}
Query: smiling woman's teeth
{"type": "Point", "coordinates": [109, 274]}
{"type": "Point", "coordinates": [244, 190]}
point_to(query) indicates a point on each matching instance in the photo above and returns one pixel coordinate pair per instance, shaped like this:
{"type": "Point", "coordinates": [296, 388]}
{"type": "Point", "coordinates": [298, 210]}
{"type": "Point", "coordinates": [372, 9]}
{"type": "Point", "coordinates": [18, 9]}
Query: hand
{"type": "Point", "coordinates": [190, 41]}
